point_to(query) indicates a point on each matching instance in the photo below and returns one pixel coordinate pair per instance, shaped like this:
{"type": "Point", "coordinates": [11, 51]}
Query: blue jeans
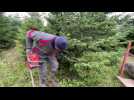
{"type": "Point", "coordinates": [43, 69]}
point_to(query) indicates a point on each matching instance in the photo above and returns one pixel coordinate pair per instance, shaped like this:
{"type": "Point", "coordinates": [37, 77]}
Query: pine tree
{"type": "Point", "coordinates": [86, 31]}
{"type": "Point", "coordinates": [8, 31]}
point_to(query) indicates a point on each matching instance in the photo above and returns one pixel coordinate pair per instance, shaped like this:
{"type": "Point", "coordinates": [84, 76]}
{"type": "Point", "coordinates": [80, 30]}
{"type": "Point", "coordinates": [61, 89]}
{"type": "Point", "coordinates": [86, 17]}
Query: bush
{"type": "Point", "coordinates": [8, 32]}
{"type": "Point", "coordinates": [95, 69]}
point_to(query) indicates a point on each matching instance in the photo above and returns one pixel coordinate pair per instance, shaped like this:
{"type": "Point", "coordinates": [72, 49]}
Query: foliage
{"type": "Point", "coordinates": [95, 46]}
{"type": "Point", "coordinates": [94, 42]}
{"type": "Point", "coordinates": [8, 31]}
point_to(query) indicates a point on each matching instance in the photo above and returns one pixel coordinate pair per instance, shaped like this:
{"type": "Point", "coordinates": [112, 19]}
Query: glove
{"type": "Point", "coordinates": [28, 51]}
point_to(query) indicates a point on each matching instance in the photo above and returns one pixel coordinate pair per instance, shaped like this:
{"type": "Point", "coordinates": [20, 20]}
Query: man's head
{"type": "Point", "coordinates": [61, 43]}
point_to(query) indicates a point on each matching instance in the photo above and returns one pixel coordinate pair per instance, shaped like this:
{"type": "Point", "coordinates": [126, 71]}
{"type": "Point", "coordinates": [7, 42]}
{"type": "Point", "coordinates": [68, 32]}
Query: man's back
{"type": "Point", "coordinates": [37, 35]}
{"type": "Point", "coordinates": [41, 41]}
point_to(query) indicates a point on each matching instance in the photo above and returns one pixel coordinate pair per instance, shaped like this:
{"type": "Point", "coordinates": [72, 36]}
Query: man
{"type": "Point", "coordinates": [47, 46]}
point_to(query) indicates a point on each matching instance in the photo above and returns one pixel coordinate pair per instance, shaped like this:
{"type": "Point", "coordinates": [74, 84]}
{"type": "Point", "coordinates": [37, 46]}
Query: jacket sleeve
{"type": "Point", "coordinates": [29, 42]}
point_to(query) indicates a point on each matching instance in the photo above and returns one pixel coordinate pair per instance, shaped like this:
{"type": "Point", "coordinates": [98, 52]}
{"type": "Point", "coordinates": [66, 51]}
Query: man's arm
{"type": "Point", "coordinates": [29, 42]}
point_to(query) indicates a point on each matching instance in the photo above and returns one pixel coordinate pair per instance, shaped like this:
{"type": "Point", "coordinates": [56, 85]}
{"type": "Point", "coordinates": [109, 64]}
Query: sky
{"type": "Point", "coordinates": [122, 14]}
{"type": "Point", "coordinates": [23, 15]}
{"type": "Point", "coordinates": [19, 14]}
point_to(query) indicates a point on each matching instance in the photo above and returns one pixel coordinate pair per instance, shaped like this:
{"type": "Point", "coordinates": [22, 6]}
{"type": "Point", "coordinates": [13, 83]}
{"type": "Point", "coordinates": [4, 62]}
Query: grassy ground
{"type": "Point", "coordinates": [13, 72]}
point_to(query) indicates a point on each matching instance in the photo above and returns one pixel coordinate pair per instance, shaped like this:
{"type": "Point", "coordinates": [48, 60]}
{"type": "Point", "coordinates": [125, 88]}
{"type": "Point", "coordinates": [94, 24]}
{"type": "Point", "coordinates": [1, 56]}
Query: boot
{"type": "Point", "coordinates": [55, 83]}
{"type": "Point", "coordinates": [43, 82]}
{"type": "Point", "coordinates": [54, 80]}
{"type": "Point", "coordinates": [43, 85]}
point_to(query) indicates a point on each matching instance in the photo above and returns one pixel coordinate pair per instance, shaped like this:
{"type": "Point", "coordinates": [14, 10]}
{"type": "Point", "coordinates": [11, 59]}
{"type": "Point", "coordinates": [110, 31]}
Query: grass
{"type": "Point", "coordinates": [94, 69]}
{"type": "Point", "coordinates": [12, 70]}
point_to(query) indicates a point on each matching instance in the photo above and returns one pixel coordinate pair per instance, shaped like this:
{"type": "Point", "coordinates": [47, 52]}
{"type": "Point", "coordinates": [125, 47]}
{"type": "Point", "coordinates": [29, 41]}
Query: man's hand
{"type": "Point", "coordinates": [28, 51]}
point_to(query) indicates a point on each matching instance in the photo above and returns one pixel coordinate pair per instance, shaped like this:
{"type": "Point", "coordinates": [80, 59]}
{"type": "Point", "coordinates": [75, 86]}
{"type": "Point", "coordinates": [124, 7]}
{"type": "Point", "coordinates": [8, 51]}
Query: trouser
{"type": "Point", "coordinates": [43, 70]}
